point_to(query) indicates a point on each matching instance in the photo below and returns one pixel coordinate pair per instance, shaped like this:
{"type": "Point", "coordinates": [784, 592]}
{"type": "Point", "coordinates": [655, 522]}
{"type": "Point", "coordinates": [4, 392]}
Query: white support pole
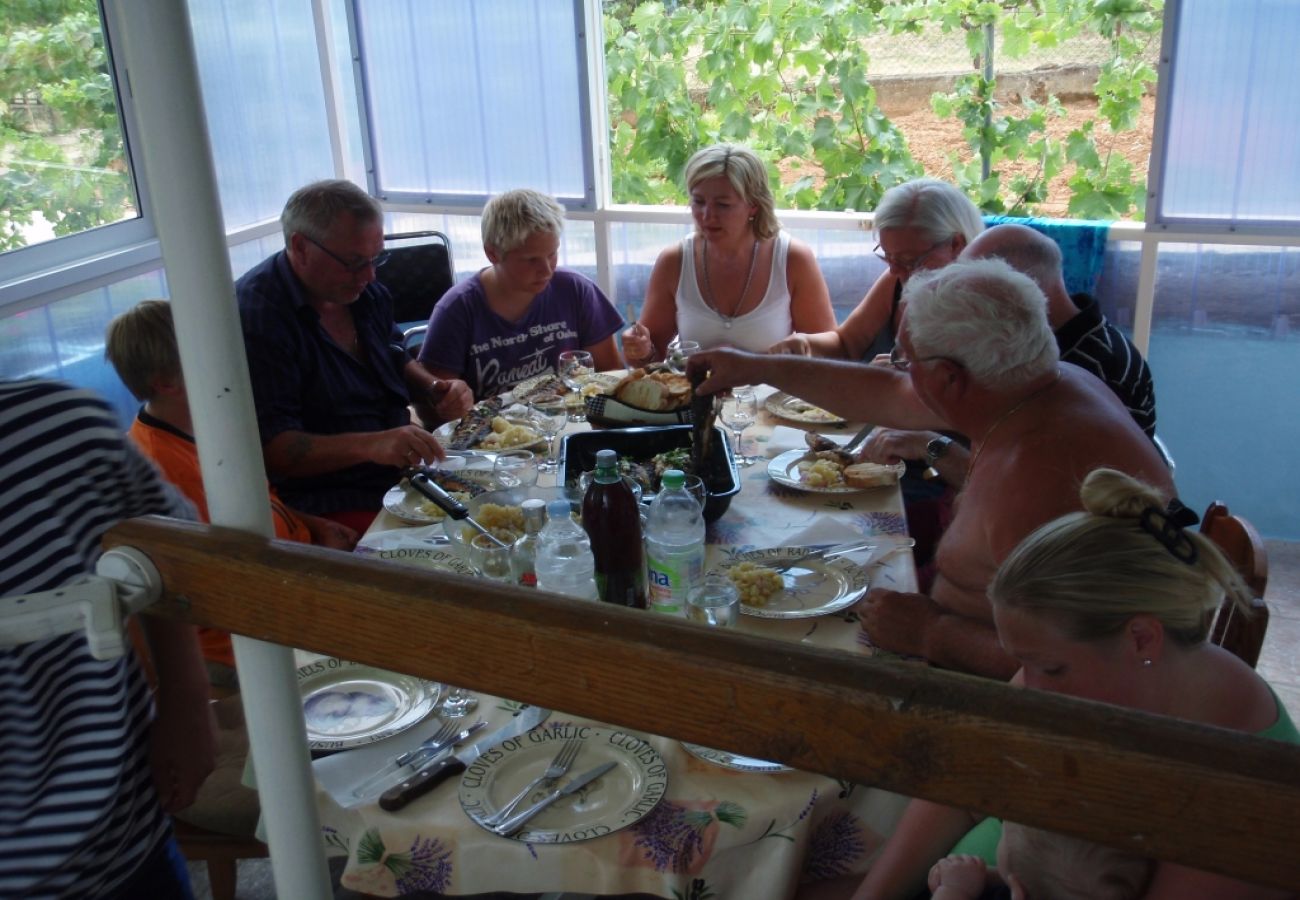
{"type": "Point", "coordinates": [177, 164]}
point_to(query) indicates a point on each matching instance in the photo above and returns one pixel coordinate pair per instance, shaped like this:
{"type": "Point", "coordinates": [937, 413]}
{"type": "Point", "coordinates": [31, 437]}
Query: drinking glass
{"type": "Point", "coordinates": [696, 487]}
{"type": "Point", "coordinates": [714, 602]}
{"type": "Point", "coordinates": [576, 368]}
{"type": "Point", "coordinates": [515, 468]}
{"type": "Point", "coordinates": [739, 410]}
{"type": "Point", "coordinates": [457, 703]}
{"type": "Point", "coordinates": [678, 352]}
{"type": "Point", "coordinates": [549, 414]}
{"type": "Point", "coordinates": [492, 559]}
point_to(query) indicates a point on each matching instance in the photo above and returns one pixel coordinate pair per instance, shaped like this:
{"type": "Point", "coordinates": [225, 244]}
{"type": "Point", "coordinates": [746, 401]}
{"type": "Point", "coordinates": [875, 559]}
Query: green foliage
{"type": "Point", "coordinates": [65, 157]}
{"type": "Point", "coordinates": [792, 79]}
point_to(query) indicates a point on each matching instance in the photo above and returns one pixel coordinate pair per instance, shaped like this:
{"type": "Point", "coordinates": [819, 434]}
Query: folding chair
{"type": "Point", "coordinates": [418, 272]}
{"type": "Point", "coordinates": [1234, 630]}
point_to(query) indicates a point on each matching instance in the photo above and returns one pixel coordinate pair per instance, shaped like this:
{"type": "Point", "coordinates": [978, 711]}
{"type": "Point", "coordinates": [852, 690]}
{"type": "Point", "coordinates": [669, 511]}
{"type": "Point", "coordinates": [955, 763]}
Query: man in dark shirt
{"type": "Point", "coordinates": [332, 383]}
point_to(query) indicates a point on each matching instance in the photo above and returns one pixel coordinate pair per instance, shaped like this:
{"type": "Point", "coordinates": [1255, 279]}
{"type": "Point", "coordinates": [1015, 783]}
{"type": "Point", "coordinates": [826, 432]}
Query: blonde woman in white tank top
{"type": "Point", "coordinates": [737, 281]}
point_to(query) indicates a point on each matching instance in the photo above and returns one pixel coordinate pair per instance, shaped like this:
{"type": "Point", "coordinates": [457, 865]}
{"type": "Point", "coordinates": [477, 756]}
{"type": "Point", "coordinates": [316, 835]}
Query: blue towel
{"type": "Point", "coordinates": [1082, 243]}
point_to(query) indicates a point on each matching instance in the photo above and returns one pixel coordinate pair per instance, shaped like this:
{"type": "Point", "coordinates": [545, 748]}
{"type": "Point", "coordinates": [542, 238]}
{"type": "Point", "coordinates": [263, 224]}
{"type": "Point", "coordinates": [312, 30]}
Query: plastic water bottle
{"type": "Point", "coordinates": [564, 563]}
{"type": "Point", "coordinates": [674, 545]}
{"type": "Point", "coordinates": [523, 554]}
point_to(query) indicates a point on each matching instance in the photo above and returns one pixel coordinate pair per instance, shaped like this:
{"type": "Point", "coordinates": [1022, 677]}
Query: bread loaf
{"type": "Point", "coordinates": [869, 475]}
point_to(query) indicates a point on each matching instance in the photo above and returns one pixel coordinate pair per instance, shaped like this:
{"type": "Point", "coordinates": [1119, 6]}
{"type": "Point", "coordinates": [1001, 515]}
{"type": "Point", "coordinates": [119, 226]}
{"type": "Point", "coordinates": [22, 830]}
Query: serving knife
{"type": "Point", "coordinates": [518, 820]}
{"type": "Point", "coordinates": [447, 503]}
{"type": "Point", "coordinates": [440, 769]}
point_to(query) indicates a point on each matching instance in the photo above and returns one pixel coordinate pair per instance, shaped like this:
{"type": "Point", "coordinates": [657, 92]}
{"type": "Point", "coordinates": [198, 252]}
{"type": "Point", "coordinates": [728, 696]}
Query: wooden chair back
{"type": "Point", "coordinates": [1233, 630]}
{"type": "Point", "coordinates": [221, 853]}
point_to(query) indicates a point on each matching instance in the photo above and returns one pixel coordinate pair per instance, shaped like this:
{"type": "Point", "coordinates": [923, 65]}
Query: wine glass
{"type": "Point", "coordinates": [678, 352]}
{"type": "Point", "coordinates": [576, 368]}
{"type": "Point", "coordinates": [739, 410]}
{"type": "Point", "coordinates": [548, 414]}
{"type": "Point", "coordinates": [515, 468]}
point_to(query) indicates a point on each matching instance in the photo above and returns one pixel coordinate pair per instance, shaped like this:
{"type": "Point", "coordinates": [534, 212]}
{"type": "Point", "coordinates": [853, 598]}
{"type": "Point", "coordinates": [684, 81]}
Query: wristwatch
{"type": "Point", "coordinates": [933, 450]}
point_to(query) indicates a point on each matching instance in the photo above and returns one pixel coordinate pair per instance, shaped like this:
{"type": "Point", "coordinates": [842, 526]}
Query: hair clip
{"type": "Point", "coordinates": [1166, 526]}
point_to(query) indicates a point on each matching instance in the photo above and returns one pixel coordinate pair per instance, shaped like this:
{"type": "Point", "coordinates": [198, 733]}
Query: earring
{"type": "Point", "coordinates": [1146, 663]}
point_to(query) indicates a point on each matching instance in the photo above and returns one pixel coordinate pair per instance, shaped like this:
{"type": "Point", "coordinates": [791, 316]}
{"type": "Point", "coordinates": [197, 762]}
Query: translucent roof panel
{"type": "Point", "coordinates": [467, 98]}
{"type": "Point", "coordinates": [1233, 149]}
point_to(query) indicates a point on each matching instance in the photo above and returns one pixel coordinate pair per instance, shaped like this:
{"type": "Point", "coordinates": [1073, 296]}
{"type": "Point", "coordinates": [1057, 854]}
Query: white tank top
{"type": "Point", "coordinates": [757, 329]}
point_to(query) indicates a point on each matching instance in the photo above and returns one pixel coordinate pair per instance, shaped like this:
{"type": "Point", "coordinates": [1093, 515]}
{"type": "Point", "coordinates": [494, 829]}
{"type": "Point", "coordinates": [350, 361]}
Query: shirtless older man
{"type": "Point", "coordinates": [975, 355]}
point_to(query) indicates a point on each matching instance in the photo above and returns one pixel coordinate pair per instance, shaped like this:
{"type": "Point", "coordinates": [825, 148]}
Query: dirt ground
{"type": "Point", "coordinates": [932, 139]}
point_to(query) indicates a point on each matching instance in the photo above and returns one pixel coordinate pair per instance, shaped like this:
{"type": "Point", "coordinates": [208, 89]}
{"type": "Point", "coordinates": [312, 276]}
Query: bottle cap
{"type": "Point", "coordinates": [673, 479]}
{"type": "Point", "coordinates": [558, 509]}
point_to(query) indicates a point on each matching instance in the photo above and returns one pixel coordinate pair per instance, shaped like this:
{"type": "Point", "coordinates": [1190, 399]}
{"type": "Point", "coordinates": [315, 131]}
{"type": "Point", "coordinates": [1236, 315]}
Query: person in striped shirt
{"type": "Point", "coordinates": [88, 772]}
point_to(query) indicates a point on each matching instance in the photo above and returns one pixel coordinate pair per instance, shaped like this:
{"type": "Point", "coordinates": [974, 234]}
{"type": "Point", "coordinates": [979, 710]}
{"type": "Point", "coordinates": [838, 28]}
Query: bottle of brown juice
{"type": "Point", "coordinates": [612, 518]}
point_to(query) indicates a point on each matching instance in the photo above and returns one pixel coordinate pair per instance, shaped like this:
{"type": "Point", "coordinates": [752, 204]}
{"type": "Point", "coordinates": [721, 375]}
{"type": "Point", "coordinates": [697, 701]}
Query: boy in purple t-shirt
{"type": "Point", "coordinates": [512, 320]}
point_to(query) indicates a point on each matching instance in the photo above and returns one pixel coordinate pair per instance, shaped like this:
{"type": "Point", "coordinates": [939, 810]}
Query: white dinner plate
{"type": "Point", "coordinates": [624, 795]}
{"type": "Point", "coordinates": [406, 503]}
{"type": "Point", "coordinates": [819, 587]}
{"type": "Point", "coordinates": [785, 406]}
{"type": "Point", "coordinates": [348, 704]}
{"type": "Point", "coordinates": [443, 434]}
{"type": "Point", "coordinates": [784, 469]}
{"type": "Point", "coordinates": [734, 761]}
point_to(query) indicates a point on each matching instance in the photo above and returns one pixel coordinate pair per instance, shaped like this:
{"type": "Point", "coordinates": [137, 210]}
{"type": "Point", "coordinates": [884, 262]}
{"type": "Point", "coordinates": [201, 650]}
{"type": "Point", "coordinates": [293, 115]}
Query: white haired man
{"type": "Point", "coordinates": [975, 355]}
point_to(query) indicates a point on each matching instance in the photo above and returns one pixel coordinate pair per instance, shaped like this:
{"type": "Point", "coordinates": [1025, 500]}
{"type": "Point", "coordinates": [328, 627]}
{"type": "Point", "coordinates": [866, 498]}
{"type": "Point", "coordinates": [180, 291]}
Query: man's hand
{"type": "Point", "coordinates": [961, 876]}
{"type": "Point", "coordinates": [408, 445]}
{"type": "Point", "coordinates": [328, 533]}
{"type": "Point", "coordinates": [451, 398]}
{"type": "Point", "coordinates": [727, 368]}
{"type": "Point", "coordinates": [898, 621]}
{"type": "Point", "coordinates": [889, 445]}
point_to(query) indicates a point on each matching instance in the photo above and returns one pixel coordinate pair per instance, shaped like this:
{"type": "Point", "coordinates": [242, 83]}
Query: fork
{"type": "Point", "coordinates": [559, 765]}
{"type": "Point", "coordinates": [410, 756]}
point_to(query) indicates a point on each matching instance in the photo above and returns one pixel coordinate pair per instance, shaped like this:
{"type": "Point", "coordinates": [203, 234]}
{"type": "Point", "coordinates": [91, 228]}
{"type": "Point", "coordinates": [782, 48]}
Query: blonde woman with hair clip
{"type": "Point", "coordinates": [1112, 604]}
{"type": "Point", "coordinates": [739, 280]}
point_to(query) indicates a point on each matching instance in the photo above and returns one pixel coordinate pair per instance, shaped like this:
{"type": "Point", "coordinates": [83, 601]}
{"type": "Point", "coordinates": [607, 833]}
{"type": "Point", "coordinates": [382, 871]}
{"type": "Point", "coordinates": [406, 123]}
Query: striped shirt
{"type": "Point", "coordinates": [78, 812]}
{"type": "Point", "coordinates": [1090, 341]}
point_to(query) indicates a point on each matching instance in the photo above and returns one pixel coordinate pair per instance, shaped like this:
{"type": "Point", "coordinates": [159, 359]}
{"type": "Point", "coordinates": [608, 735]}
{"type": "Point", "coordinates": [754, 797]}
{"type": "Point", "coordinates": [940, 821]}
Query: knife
{"type": "Point", "coordinates": [416, 756]}
{"type": "Point", "coordinates": [854, 445]}
{"type": "Point", "coordinates": [442, 768]}
{"type": "Point", "coordinates": [518, 820]}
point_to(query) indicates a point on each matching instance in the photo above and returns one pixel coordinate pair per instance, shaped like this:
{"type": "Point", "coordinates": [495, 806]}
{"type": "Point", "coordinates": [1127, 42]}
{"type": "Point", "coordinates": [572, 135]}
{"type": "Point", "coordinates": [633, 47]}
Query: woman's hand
{"type": "Point", "coordinates": [795, 345]}
{"type": "Point", "coordinates": [638, 346]}
{"type": "Point", "coordinates": [959, 876]}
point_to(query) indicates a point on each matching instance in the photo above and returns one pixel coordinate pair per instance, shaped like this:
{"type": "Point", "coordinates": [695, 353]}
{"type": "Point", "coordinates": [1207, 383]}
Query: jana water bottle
{"type": "Point", "coordinates": [674, 545]}
{"type": "Point", "coordinates": [564, 563]}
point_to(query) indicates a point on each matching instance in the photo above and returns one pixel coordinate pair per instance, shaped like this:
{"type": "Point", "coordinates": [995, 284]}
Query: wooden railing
{"type": "Point", "coordinates": [1210, 798]}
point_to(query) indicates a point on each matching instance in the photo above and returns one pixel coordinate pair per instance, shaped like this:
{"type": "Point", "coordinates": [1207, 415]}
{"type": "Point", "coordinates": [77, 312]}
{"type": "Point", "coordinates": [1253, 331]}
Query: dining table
{"type": "Point", "coordinates": [689, 823]}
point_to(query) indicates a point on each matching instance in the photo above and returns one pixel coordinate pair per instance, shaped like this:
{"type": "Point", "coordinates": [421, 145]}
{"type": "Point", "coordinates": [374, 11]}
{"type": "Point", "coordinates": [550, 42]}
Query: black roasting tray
{"type": "Point", "coordinates": [578, 455]}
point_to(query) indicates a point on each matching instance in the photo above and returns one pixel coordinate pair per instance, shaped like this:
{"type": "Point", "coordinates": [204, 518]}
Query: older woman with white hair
{"type": "Point", "coordinates": [739, 280]}
{"type": "Point", "coordinates": [512, 320]}
{"type": "Point", "coordinates": [922, 224]}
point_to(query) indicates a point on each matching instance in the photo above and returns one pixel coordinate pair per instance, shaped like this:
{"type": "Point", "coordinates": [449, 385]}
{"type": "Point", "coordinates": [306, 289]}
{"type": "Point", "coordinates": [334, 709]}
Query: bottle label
{"type": "Point", "coordinates": [669, 583]}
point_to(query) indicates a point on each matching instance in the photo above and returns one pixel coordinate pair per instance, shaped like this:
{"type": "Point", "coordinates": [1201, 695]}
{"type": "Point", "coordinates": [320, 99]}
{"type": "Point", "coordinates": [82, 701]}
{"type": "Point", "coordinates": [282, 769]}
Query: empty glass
{"type": "Point", "coordinates": [492, 559]}
{"type": "Point", "coordinates": [678, 352]}
{"type": "Point", "coordinates": [515, 468]}
{"type": "Point", "coordinates": [714, 602]}
{"type": "Point", "coordinates": [549, 415]}
{"type": "Point", "coordinates": [739, 410]}
{"type": "Point", "coordinates": [576, 368]}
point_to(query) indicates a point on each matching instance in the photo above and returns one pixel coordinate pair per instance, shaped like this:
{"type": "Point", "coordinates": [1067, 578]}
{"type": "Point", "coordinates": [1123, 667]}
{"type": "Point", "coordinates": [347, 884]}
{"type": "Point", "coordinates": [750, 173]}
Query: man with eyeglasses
{"type": "Point", "coordinates": [331, 380]}
{"type": "Point", "coordinates": [977, 356]}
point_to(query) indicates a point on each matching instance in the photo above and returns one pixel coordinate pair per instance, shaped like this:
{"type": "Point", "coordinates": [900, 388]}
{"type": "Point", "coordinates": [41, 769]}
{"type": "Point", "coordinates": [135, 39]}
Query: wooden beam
{"type": "Point", "coordinates": [1206, 797]}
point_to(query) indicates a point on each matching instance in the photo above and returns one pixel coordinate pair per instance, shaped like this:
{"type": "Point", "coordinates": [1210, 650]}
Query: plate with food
{"type": "Point", "coordinates": [348, 704]}
{"type": "Point", "coordinates": [487, 428]}
{"type": "Point", "coordinates": [787, 406]}
{"type": "Point", "coordinates": [828, 472]}
{"type": "Point", "coordinates": [546, 383]}
{"type": "Point", "coordinates": [816, 587]}
{"type": "Point", "coordinates": [407, 504]}
{"type": "Point", "coordinates": [624, 794]}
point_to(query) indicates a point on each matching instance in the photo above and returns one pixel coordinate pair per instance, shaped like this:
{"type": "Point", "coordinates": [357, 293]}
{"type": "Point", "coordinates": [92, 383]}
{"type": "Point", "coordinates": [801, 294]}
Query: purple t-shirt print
{"type": "Point", "coordinates": [491, 354]}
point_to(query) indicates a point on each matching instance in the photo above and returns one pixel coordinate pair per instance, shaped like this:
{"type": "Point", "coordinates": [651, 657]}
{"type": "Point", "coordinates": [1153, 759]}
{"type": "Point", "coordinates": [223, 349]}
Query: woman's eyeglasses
{"type": "Point", "coordinates": [908, 266]}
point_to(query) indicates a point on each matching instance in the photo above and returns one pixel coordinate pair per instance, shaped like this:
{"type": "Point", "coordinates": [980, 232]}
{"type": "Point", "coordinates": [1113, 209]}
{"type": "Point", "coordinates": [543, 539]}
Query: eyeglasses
{"type": "Point", "coordinates": [903, 364]}
{"type": "Point", "coordinates": [351, 268]}
{"type": "Point", "coordinates": [908, 267]}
